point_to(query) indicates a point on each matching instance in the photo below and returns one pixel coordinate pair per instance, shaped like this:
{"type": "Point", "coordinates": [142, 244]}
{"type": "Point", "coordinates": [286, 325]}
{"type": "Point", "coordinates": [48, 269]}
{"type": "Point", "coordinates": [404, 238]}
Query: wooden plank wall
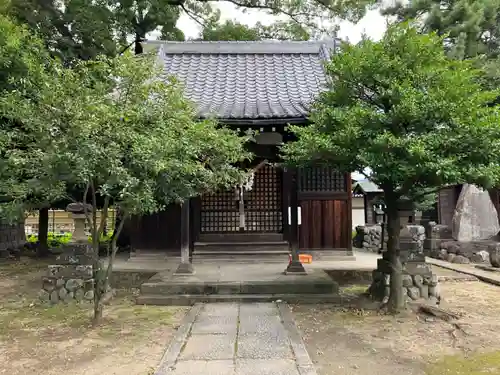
{"type": "Point", "coordinates": [160, 231]}
{"type": "Point", "coordinates": [324, 224]}
{"type": "Point", "coordinates": [326, 218]}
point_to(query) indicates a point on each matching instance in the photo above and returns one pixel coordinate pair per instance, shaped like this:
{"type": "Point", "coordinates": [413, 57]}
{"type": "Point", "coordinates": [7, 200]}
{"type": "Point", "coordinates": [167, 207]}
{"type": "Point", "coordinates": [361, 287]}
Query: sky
{"type": "Point", "coordinates": [373, 24]}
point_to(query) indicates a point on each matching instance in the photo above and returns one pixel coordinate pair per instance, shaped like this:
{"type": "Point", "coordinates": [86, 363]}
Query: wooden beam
{"type": "Point", "coordinates": [349, 210]}
{"type": "Point", "coordinates": [295, 266]}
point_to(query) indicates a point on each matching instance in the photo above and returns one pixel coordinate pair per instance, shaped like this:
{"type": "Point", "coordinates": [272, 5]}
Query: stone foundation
{"type": "Point", "coordinates": [369, 238]}
{"type": "Point", "coordinates": [72, 278]}
{"type": "Point", "coordinates": [441, 245]}
{"type": "Point", "coordinates": [419, 282]}
{"type": "Point", "coordinates": [421, 285]}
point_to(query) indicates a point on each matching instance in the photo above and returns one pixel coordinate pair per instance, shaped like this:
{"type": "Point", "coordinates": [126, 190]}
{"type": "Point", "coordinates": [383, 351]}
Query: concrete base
{"type": "Point", "coordinates": [190, 299]}
{"type": "Point", "coordinates": [295, 268]}
{"type": "Point", "coordinates": [235, 281]}
{"type": "Point", "coordinates": [184, 269]}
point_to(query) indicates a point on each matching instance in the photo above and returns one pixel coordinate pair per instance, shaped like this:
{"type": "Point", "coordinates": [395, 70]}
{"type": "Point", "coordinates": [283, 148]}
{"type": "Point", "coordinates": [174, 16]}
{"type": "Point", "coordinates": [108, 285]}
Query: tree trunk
{"type": "Point", "coordinates": [396, 301]}
{"type": "Point", "coordinates": [102, 290]}
{"type": "Point", "coordinates": [43, 232]}
{"type": "Point", "coordinates": [137, 45]}
{"type": "Point", "coordinates": [98, 287]}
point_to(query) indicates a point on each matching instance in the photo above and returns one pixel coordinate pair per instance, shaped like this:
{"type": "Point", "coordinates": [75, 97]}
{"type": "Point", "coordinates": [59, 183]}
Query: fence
{"type": "Point", "coordinates": [61, 222]}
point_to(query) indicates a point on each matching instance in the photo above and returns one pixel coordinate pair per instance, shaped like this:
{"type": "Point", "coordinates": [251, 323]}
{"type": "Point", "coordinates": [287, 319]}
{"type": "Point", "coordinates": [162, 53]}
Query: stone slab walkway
{"type": "Point", "coordinates": [468, 269]}
{"type": "Point", "coordinates": [237, 339]}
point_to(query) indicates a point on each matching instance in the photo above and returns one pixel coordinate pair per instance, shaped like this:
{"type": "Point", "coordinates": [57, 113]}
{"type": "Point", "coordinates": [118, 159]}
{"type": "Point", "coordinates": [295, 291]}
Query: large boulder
{"type": "Point", "coordinates": [494, 253]}
{"type": "Point", "coordinates": [475, 216]}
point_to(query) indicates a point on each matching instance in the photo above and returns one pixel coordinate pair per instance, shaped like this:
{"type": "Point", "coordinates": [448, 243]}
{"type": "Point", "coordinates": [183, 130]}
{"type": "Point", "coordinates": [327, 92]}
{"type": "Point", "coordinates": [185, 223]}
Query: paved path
{"type": "Point", "coordinates": [237, 339]}
{"type": "Point", "coordinates": [490, 277]}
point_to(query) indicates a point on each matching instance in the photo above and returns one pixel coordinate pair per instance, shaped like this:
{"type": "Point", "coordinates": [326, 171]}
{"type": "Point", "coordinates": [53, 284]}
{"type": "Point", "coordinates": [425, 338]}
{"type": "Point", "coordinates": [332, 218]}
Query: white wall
{"type": "Point", "coordinates": [358, 212]}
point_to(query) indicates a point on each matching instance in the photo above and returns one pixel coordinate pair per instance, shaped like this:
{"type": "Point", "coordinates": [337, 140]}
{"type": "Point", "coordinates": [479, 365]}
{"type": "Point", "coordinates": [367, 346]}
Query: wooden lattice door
{"type": "Point", "coordinates": [263, 204]}
{"type": "Point", "coordinates": [220, 212]}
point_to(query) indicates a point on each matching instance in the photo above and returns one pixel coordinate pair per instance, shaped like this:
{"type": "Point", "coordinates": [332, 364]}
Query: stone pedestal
{"type": "Point", "coordinates": [71, 277]}
{"type": "Point", "coordinates": [419, 282]}
{"type": "Point", "coordinates": [79, 223]}
{"type": "Point", "coordinates": [78, 211]}
{"type": "Point", "coordinates": [494, 253]}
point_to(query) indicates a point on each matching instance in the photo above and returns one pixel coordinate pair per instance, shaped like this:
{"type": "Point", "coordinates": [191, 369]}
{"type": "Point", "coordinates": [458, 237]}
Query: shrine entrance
{"type": "Point", "coordinates": [256, 207]}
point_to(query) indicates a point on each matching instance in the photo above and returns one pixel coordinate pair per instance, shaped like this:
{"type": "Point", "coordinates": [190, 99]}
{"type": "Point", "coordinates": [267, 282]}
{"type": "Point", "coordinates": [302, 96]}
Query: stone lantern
{"type": "Point", "coordinates": [77, 211]}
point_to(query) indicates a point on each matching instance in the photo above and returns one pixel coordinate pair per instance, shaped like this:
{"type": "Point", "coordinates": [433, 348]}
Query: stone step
{"type": "Point", "coordinates": [261, 246]}
{"type": "Point", "coordinates": [189, 299]}
{"type": "Point", "coordinates": [241, 257]}
{"type": "Point", "coordinates": [240, 237]}
{"type": "Point", "coordinates": [236, 287]}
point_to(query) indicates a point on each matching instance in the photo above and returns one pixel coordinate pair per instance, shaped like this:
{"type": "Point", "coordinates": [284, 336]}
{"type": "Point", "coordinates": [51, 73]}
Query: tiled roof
{"type": "Point", "coordinates": [248, 80]}
{"type": "Point", "coordinates": [367, 186]}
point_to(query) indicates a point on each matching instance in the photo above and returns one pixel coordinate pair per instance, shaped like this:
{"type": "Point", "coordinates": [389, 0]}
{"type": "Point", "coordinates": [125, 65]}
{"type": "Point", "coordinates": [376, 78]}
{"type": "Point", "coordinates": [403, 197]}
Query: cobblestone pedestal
{"type": "Point", "coordinates": [71, 277]}
{"type": "Point", "coordinates": [419, 282]}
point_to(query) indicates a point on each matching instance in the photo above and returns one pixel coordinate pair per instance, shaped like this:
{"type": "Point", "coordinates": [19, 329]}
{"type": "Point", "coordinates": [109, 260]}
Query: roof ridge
{"type": "Point", "coordinates": [245, 47]}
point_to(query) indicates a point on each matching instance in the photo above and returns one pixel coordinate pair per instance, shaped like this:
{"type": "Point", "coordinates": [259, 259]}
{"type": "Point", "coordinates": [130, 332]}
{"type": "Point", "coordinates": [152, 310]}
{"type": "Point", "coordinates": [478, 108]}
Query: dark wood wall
{"type": "Point", "coordinates": [325, 199]}
{"type": "Point", "coordinates": [160, 231]}
{"type": "Point", "coordinates": [370, 199]}
{"type": "Point", "coordinates": [324, 224]}
{"type": "Point", "coordinates": [447, 201]}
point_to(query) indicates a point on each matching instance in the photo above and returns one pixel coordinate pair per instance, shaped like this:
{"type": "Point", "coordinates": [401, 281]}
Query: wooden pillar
{"type": "Point", "coordinates": [185, 267]}
{"type": "Point", "coordinates": [348, 180]}
{"type": "Point", "coordinates": [295, 266]}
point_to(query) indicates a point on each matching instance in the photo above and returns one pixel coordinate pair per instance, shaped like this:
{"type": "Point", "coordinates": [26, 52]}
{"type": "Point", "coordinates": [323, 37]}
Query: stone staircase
{"type": "Point", "coordinates": [235, 282]}
{"type": "Point", "coordinates": [241, 248]}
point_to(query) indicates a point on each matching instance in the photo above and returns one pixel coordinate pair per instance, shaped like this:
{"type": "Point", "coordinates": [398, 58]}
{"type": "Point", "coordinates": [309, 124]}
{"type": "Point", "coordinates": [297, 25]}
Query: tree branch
{"type": "Point", "coordinates": [192, 15]}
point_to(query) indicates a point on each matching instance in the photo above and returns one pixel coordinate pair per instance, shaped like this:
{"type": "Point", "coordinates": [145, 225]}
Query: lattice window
{"type": "Point", "coordinates": [263, 206]}
{"type": "Point", "coordinates": [319, 179]}
{"type": "Point", "coordinates": [219, 212]}
{"type": "Point", "coordinates": [263, 203]}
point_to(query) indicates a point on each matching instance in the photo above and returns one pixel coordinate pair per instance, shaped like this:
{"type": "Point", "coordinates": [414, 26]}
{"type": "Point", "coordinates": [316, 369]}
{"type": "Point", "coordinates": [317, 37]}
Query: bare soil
{"type": "Point", "coordinates": [360, 342]}
{"type": "Point", "coordinates": [49, 340]}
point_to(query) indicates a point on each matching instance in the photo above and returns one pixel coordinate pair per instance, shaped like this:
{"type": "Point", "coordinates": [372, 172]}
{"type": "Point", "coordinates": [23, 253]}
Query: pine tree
{"type": "Point", "coordinates": [472, 26]}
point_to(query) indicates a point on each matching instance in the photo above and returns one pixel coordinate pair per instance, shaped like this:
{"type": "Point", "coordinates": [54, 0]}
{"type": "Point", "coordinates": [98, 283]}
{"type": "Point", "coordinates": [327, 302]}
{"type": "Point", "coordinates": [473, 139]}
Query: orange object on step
{"type": "Point", "coordinates": [303, 258]}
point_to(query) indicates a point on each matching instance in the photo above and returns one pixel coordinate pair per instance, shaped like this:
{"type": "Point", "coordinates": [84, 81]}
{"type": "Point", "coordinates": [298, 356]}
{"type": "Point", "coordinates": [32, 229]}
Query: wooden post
{"type": "Point", "coordinates": [348, 181]}
{"type": "Point", "coordinates": [185, 267]}
{"type": "Point", "coordinates": [295, 266]}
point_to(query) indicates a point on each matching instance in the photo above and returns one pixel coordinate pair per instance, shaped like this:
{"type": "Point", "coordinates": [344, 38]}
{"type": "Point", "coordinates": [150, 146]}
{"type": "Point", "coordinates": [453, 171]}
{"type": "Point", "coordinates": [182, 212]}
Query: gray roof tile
{"type": "Point", "coordinates": [248, 80]}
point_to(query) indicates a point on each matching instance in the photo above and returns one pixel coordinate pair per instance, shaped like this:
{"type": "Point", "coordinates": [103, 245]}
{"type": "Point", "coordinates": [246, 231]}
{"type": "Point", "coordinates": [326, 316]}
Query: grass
{"type": "Point", "coordinates": [353, 289]}
{"type": "Point", "coordinates": [22, 267]}
{"type": "Point", "coordinates": [475, 364]}
{"type": "Point", "coordinates": [21, 316]}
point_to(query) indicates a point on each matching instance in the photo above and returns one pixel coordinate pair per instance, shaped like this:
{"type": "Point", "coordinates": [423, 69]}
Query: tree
{"type": "Point", "coordinates": [471, 26]}
{"type": "Point", "coordinates": [414, 116]}
{"type": "Point", "coordinates": [471, 29]}
{"type": "Point", "coordinates": [82, 29]}
{"type": "Point", "coordinates": [131, 139]}
{"type": "Point", "coordinates": [232, 30]}
{"type": "Point", "coordinates": [25, 66]}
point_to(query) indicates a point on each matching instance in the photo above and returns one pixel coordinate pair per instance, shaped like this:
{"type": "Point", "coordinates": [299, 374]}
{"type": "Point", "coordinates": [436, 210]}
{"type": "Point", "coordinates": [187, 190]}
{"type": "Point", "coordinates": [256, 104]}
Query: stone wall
{"type": "Point", "coordinates": [419, 282]}
{"type": "Point", "coordinates": [441, 245]}
{"type": "Point", "coordinates": [369, 237]}
{"type": "Point", "coordinates": [71, 278]}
